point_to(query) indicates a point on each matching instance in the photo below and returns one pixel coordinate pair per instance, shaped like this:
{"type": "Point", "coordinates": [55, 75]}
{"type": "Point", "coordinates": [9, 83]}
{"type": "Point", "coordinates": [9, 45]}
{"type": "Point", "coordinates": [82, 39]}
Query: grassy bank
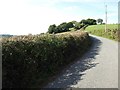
{"type": "Point", "coordinates": [99, 30]}
{"type": "Point", "coordinates": [30, 59]}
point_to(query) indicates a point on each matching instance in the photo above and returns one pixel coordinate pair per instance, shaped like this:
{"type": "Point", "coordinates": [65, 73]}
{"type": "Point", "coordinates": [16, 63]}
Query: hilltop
{"type": "Point", "coordinates": [5, 35]}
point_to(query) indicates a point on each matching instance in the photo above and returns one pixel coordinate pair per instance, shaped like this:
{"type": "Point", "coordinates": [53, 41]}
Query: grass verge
{"type": "Point", "coordinates": [99, 30]}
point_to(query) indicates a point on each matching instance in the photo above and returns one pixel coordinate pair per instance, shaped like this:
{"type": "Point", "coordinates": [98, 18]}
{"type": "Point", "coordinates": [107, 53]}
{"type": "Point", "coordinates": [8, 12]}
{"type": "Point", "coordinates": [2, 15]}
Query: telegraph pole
{"type": "Point", "coordinates": [105, 18]}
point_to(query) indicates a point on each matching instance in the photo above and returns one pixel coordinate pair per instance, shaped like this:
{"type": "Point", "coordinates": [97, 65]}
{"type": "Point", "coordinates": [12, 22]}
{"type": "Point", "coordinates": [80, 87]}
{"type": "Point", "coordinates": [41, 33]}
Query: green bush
{"type": "Point", "coordinates": [26, 59]}
{"type": "Point", "coordinates": [63, 27]}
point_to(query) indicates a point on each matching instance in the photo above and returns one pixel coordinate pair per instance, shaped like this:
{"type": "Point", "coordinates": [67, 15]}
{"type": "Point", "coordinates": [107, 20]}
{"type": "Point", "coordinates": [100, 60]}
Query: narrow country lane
{"type": "Point", "coordinates": [98, 68]}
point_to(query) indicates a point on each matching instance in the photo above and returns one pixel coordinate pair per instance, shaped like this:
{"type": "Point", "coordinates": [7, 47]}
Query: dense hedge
{"type": "Point", "coordinates": [26, 59]}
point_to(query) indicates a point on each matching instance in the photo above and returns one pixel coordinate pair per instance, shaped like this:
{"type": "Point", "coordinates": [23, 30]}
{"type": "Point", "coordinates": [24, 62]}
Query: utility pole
{"type": "Point", "coordinates": [105, 18]}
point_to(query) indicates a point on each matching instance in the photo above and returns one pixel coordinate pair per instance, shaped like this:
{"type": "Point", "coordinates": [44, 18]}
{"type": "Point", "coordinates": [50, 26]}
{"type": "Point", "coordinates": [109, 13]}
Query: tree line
{"type": "Point", "coordinates": [65, 26]}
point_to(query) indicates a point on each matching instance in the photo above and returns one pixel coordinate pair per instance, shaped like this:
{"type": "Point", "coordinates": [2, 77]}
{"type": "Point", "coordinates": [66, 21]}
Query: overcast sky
{"type": "Point", "coordinates": [20, 17]}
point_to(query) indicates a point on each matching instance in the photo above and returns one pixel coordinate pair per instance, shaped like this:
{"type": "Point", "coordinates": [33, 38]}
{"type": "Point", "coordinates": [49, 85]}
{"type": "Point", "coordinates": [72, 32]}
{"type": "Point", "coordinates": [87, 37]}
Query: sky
{"type": "Point", "coordinates": [23, 17]}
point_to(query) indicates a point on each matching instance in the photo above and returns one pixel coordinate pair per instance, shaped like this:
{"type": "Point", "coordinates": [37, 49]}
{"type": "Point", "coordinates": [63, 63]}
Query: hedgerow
{"type": "Point", "coordinates": [26, 59]}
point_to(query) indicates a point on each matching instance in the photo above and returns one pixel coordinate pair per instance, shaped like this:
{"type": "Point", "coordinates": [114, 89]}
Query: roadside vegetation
{"type": "Point", "coordinates": [28, 60]}
{"type": "Point", "coordinates": [112, 31]}
{"type": "Point", "coordinates": [31, 59]}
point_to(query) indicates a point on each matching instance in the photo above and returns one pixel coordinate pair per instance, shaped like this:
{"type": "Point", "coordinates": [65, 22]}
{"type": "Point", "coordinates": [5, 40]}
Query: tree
{"type": "Point", "coordinates": [78, 25]}
{"type": "Point", "coordinates": [91, 21]}
{"type": "Point", "coordinates": [88, 22]}
{"type": "Point", "coordinates": [51, 28]}
{"type": "Point", "coordinates": [73, 22]}
{"type": "Point", "coordinates": [69, 25]}
{"type": "Point", "coordinates": [84, 22]}
{"type": "Point", "coordinates": [100, 21]}
{"type": "Point", "coordinates": [63, 27]}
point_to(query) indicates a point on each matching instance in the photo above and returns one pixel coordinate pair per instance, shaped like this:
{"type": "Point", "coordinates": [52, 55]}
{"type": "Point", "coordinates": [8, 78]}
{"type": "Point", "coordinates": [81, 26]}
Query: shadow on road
{"type": "Point", "coordinates": [74, 73]}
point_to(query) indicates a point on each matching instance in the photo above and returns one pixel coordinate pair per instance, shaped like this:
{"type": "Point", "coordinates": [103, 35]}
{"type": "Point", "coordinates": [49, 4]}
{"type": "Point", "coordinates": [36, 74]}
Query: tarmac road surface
{"type": "Point", "coordinates": [98, 68]}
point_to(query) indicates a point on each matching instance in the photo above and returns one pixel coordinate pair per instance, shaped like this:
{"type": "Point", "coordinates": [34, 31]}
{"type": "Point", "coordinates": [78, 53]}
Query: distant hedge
{"type": "Point", "coordinates": [26, 59]}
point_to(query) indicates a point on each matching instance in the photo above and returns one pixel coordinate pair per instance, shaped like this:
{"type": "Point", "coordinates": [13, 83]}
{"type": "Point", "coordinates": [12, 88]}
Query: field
{"type": "Point", "coordinates": [112, 31]}
{"type": "Point", "coordinates": [102, 27]}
